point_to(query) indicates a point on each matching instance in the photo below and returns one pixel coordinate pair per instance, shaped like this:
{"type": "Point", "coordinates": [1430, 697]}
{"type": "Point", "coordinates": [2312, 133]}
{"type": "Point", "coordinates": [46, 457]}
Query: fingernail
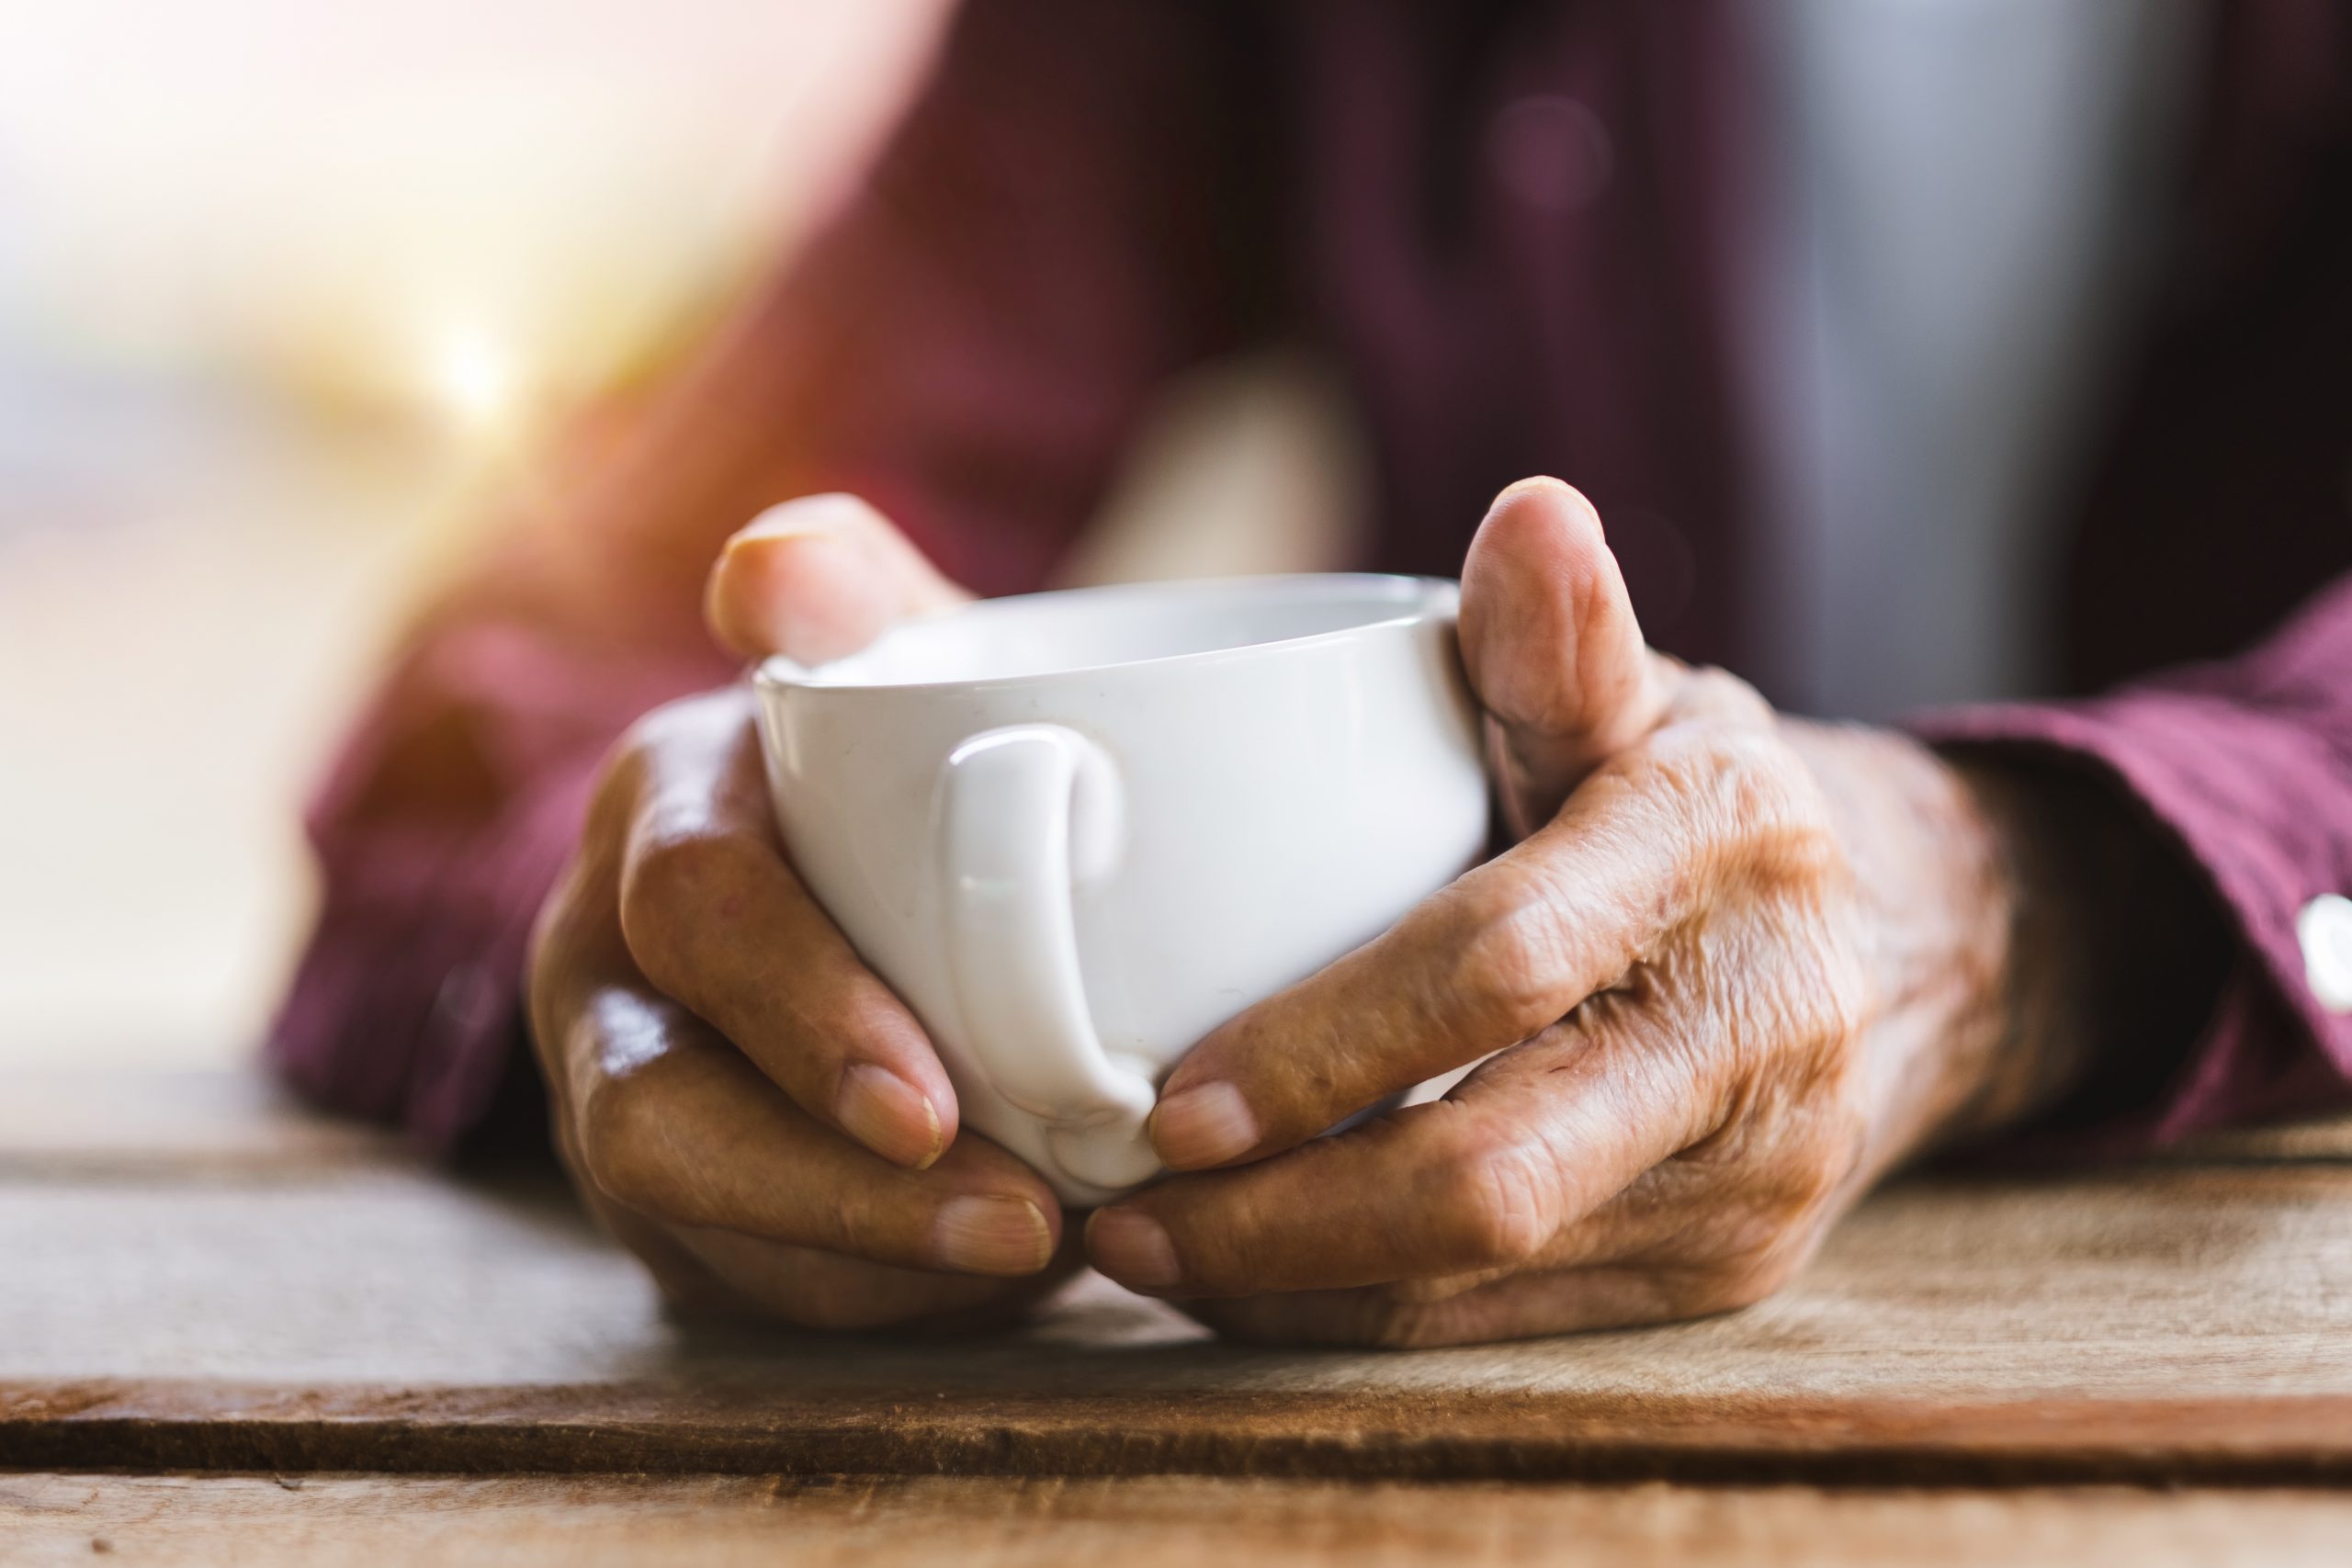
{"type": "Point", "coordinates": [1203, 1127]}
{"type": "Point", "coordinates": [1133, 1248]}
{"type": "Point", "coordinates": [889, 1116]}
{"type": "Point", "coordinates": [798, 518]}
{"type": "Point", "coordinates": [992, 1236]}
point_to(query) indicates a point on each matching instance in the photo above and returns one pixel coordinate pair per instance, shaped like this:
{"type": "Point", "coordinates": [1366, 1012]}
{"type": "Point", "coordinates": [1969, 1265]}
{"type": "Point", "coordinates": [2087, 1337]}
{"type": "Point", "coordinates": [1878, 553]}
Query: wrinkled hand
{"type": "Point", "coordinates": [738, 1099]}
{"type": "Point", "coordinates": [1735, 967]}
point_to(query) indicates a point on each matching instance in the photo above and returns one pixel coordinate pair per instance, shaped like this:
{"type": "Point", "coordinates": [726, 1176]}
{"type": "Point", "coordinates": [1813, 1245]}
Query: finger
{"type": "Point", "coordinates": [714, 917]}
{"type": "Point", "coordinates": [1524, 1306]}
{"type": "Point", "coordinates": [827, 1291]}
{"type": "Point", "coordinates": [1505, 951]}
{"type": "Point", "coordinates": [670, 1122]}
{"type": "Point", "coordinates": [1552, 646]}
{"type": "Point", "coordinates": [1492, 1177]}
{"type": "Point", "coordinates": [707, 1271]}
{"type": "Point", "coordinates": [819, 577]}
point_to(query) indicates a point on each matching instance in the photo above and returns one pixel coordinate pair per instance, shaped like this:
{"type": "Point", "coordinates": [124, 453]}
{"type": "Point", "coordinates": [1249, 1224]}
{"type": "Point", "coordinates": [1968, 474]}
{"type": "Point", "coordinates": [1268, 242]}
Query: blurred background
{"type": "Point", "coordinates": [289, 292]}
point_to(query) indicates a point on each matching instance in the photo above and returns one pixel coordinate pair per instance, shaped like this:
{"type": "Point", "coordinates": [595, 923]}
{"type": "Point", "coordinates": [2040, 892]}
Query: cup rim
{"type": "Point", "coordinates": [1415, 599]}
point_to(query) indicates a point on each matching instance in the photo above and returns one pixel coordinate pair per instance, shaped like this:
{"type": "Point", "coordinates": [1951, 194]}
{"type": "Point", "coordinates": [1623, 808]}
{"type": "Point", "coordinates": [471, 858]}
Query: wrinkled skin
{"type": "Point", "coordinates": [1733, 969]}
{"type": "Point", "coordinates": [739, 1100]}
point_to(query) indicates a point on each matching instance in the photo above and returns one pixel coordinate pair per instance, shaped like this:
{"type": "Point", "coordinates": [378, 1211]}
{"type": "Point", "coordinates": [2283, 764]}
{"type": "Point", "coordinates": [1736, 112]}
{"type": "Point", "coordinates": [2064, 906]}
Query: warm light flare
{"type": "Point", "coordinates": [480, 210]}
{"type": "Point", "coordinates": [477, 378]}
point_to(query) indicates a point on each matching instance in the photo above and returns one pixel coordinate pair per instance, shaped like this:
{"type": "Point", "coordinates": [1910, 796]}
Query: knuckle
{"type": "Point", "coordinates": [1825, 1161]}
{"type": "Point", "coordinates": [1716, 693]}
{"type": "Point", "coordinates": [1497, 1206]}
{"type": "Point", "coordinates": [633, 760]}
{"type": "Point", "coordinates": [1770, 1212]}
{"type": "Point", "coordinates": [1731, 1241]}
{"type": "Point", "coordinates": [622, 1149]}
{"type": "Point", "coordinates": [619, 781]}
{"type": "Point", "coordinates": [675, 878]}
{"type": "Point", "coordinates": [1757, 1252]}
{"type": "Point", "coordinates": [617, 778]}
{"type": "Point", "coordinates": [1743, 1279]}
{"type": "Point", "coordinates": [1512, 961]}
{"type": "Point", "coordinates": [1752, 785]}
{"type": "Point", "coordinates": [1742, 790]}
{"type": "Point", "coordinates": [1806, 1181]}
{"type": "Point", "coordinates": [644, 735]}
{"type": "Point", "coordinates": [550, 979]}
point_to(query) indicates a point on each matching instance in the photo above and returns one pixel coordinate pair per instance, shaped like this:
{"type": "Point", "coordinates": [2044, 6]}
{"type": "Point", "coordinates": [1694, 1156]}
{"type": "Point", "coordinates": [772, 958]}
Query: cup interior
{"type": "Point", "coordinates": [1095, 628]}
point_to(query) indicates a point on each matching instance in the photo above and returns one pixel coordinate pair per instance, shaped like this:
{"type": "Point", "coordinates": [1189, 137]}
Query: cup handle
{"type": "Point", "coordinates": [1028, 813]}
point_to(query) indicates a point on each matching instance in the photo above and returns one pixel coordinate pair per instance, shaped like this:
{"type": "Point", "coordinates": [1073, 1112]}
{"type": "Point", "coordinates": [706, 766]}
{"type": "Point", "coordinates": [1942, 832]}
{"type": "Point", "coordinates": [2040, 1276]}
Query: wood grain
{"type": "Point", "coordinates": [325, 1521]}
{"type": "Point", "coordinates": [195, 1125]}
{"type": "Point", "coordinates": [2154, 1324]}
{"type": "Point", "coordinates": [2326, 1139]}
{"type": "Point", "coordinates": [59, 1121]}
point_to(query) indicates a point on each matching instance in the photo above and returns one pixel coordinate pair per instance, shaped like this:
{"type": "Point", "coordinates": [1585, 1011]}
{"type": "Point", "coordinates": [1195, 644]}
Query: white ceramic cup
{"type": "Point", "coordinates": [1077, 830]}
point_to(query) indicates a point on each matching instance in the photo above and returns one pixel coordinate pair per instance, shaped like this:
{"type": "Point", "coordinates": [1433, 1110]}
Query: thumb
{"type": "Point", "coordinates": [1552, 648]}
{"type": "Point", "coordinates": [819, 577]}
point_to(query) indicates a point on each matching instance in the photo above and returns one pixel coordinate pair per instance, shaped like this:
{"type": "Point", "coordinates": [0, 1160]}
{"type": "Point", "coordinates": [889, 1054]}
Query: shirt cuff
{"type": "Point", "coordinates": [2258, 807]}
{"type": "Point", "coordinates": [408, 1004]}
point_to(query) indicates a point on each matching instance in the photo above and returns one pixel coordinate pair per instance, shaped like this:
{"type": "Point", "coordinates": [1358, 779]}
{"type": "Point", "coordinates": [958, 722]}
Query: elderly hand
{"type": "Point", "coordinates": [738, 1099]}
{"type": "Point", "coordinates": [1735, 967]}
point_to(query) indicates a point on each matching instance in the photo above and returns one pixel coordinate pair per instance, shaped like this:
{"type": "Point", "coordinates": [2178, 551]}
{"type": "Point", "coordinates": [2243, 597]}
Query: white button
{"type": "Point", "coordinates": [2325, 928]}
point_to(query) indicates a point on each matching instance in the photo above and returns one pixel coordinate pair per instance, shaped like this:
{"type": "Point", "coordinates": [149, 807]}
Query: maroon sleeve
{"type": "Point", "coordinates": [1052, 230]}
{"type": "Point", "coordinates": [2246, 767]}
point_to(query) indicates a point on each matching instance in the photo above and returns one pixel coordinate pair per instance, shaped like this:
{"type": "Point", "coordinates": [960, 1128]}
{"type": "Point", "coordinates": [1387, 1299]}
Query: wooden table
{"type": "Point", "coordinates": [232, 1332]}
